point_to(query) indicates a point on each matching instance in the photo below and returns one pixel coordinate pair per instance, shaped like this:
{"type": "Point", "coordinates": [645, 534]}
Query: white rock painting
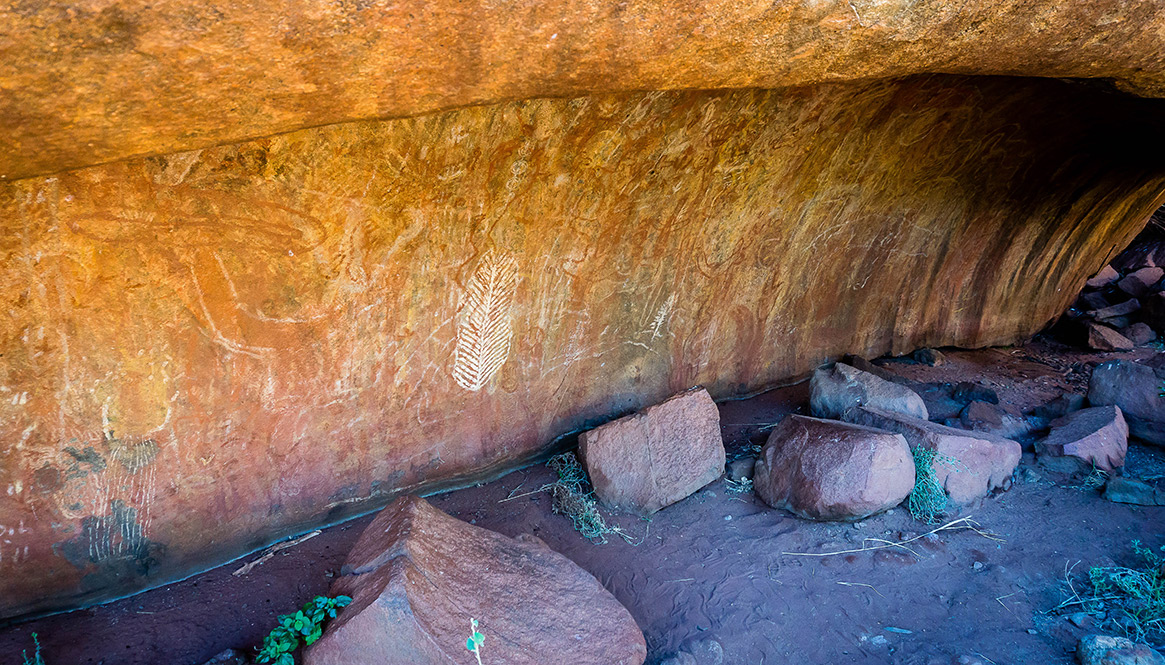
{"type": "Point", "coordinates": [485, 325]}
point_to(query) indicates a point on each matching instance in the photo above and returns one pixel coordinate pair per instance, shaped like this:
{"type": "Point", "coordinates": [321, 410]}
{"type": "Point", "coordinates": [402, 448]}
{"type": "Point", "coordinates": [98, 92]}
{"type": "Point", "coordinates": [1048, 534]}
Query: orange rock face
{"type": "Point", "coordinates": [83, 83]}
{"type": "Point", "coordinates": [207, 351]}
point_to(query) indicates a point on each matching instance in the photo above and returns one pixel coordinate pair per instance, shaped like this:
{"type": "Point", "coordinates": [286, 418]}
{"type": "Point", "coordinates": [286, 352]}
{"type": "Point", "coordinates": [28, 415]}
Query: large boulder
{"type": "Point", "coordinates": [651, 459]}
{"type": "Point", "coordinates": [417, 577]}
{"type": "Point", "coordinates": [1135, 388]}
{"type": "Point", "coordinates": [829, 470]}
{"type": "Point", "coordinates": [970, 465]}
{"type": "Point", "coordinates": [836, 390]}
{"type": "Point", "coordinates": [1095, 437]}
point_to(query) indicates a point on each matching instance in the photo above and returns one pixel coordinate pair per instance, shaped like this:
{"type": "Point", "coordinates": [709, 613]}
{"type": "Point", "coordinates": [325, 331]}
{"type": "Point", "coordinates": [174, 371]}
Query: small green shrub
{"type": "Point", "coordinates": [306, 624]}
{"type": "Point", "coordinates": [571, 496]}
{"type": "Point", "coordinates": [475, 641]}
{"type": "Point", "coordinates": [1133, 598]}
{"type": "Point", "coordinates": [928, 499]}
{"type": "Point", "coordinates": [36, 657]}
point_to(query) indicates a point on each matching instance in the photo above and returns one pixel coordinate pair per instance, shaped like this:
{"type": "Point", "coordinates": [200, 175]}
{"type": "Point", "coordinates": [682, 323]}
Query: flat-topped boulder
{"type": "Point", "coordinates": [1096, 437]}
{"type": "Point", "coordinates": [830, 470]}
{"type": "Point", "coordinates": [835, 390]}
{"type": "Point", "coordinates": [969, 466]}
{"type": "Point", "coordinates": [651, 459]}
{"type": "Point", "coordinates": [417, 577]}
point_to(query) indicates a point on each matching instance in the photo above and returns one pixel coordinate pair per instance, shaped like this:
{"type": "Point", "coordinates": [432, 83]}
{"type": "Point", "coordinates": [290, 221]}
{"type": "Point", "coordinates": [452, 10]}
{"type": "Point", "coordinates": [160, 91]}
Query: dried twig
{"type": "Point", "coordinates": [273, 550]}
{"type": "Point", "coordinates": [963, 523]}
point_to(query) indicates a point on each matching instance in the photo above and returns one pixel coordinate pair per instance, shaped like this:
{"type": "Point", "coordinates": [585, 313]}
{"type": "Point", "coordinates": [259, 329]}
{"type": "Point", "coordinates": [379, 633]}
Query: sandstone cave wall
{"type": "Point", "coordinates": [206, 351]}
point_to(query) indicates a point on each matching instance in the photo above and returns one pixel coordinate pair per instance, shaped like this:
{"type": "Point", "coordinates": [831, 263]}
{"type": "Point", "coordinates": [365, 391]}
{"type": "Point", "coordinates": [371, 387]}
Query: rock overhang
{"type": "Point", "coordinates": [208, 350]}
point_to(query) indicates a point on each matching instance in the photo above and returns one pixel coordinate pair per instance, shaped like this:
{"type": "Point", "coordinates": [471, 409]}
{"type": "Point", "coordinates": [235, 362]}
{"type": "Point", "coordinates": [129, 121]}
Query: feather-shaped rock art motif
{"type": "Point", "coordinates": [485, 328]}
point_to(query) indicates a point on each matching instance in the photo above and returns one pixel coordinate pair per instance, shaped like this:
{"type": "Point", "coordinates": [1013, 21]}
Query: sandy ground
{"type": "Point", "coordinates": [721, 565]}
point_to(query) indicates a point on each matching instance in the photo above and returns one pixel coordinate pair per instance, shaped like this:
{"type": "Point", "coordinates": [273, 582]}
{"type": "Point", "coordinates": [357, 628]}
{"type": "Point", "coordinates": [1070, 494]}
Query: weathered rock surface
{"type": "Point", "coordinates": [931, 357]}
{"type": "Point", "coordinates": [981, 463]}
{"type": "Point", "coordinates": [1120, 309]}
{"type": "Point", "coordinates": [1109, 650]}
{"type": "Point", "coordinates": [1106, 276]}
{"type": "Point", "coordinates": [834, 391]}
{"type": "Point", "coordinates": [417, 576]}
{"type": "Point", "coordinates": [1140, 282]}
{"type": "Point", "coordinates": [1137, 390]}
{"type": "Point", "coordinates": [1095, 437]}
{"type": "Point", "coordinates": [206, 352]}
{"type": "Point", "coordinates": [994, 419]}
{"type": "Point", "coordinates": [84, 85]}
{"type": "Point", "coordinates": [1133, 491]}
{"type": "Point", "coordinates": [1103, 338]}
{"type": "Point", "coordinates": [651, 459]}
{"type": "Point", "coordinates": [829, 470]}
{"type": "Point", "coordinates": [1139, 333]}
{"type": "Point", "coordinates": [1060, 406]}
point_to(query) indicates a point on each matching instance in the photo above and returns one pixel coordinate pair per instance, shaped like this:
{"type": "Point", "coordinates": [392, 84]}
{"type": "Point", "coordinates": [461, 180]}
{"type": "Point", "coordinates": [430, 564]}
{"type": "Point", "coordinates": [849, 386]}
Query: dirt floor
{"type": "Point", "coordinates": [721, 565]}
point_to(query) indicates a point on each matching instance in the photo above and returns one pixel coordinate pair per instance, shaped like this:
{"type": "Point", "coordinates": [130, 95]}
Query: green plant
{"type": "Point", "coordinates": [571, 496]}
{"type": "Point", "coordinates": [1131, 600]}
{"type": "Point", "coordinates": [37, 659]}
{"type": "Point", "coordinates": [306, 624]}
{"type": "Point", "coordinates": [475, 641]}
{"type": "Point", "coordinates": [928, 499]}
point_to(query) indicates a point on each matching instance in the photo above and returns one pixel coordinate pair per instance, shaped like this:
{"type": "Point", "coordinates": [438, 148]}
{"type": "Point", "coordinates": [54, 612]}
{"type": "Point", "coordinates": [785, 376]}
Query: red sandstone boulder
{"type": "Point", "coordinates": [834, 391]}
{"type": "Point", "coordinates": [1136, 389]}
{"type": "Point", "coordinates": [651, 459]}
{"type": "Point", "coordinates": [1140, 282]}
{"type": "Point", "coordinates": [1103, 338]}
{"type": "Point", "coordinates": [1091, 437]}
{"type": "Point", "coordinates": [971, 465]}
{"type": "Point", "coordinates": [418, 576]}
{"type": "Point", "coordinates": [1106, 276]}
{"type": "Point", "coordinates": [830, 470]}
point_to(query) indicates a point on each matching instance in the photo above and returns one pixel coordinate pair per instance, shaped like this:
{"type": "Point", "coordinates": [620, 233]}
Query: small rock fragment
{"type": "Point", "coordinates": [1060, 406]}
{"type": "Point", "coordinates": [1103, 338]}
{"type": "Point", "coordinates": [1106, 276]}
{"type": "Point", "coordinates": [1135, 492]}
{"type": "Point", "coordinates": [931, 357]}
{"type": "Point", "coordinates": [741, 468]}
{"type": "Point", "coordinates": [1139, 333]}
{"type": "Point", "coordinates": [228, 657]}
{"type": "Point", "coordinates": [1108, 650]}
{"type": "Point", "coordinates": [994, 419]}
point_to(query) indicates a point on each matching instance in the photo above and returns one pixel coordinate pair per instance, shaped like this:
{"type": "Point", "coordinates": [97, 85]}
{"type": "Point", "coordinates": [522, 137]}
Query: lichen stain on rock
{"type": "Point", "coordinates": [276, 323]}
